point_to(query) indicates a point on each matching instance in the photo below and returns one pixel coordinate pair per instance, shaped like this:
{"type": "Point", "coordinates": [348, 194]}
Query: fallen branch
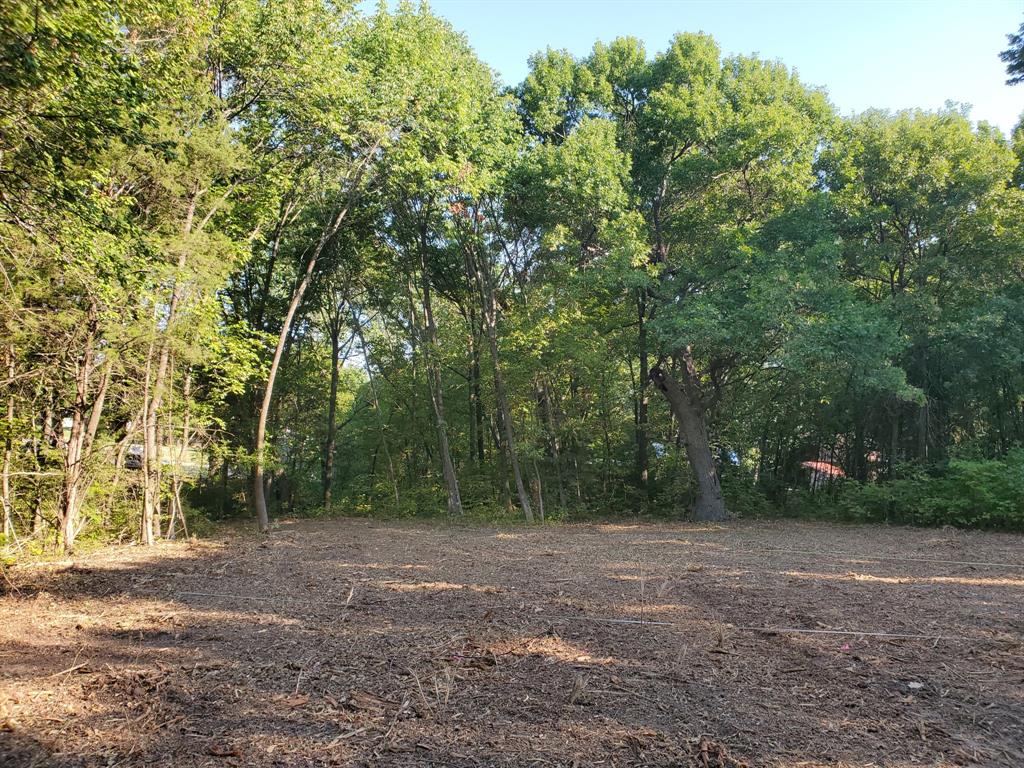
{"type": "Point", "coordinates": [69, 670]}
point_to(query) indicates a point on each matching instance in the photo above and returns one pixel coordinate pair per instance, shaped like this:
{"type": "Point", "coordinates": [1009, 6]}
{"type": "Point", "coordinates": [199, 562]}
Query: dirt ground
{"type": "Point", "coordinates": [363, 643]}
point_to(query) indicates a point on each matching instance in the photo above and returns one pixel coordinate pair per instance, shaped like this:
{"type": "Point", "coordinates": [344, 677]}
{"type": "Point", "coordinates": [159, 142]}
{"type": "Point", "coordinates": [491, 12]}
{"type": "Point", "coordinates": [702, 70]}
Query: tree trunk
{"type": "Point", "coordinates": [496, 429]}
{"type": "Point", "coordinates": [148, 452]}
{"type": "Point", "coordinates": [225, 497]}
{"type": "Point", "coordinates": [894, 441]}
{"type": "Point", "coordinates": [476, 432]}
{"type": "Point", "coordinates": [376, 405]}
{"type": "Point", "coordinates": [545, 420]}
{"type": "Point", "coordinates": [451, 480]}
{"type": "Point", "coordinates": [554, 441]}
{"type": "Point", "coordinates": [538, 491]}
{"type": "Point", "coordinates": [5, 485]}
{"type": "Point", "coordinates": [685, 402]}
{"type": "Point", "coordinates": [177, 508]}
{"type": "Point", "coordinates": [47, 438]}
{"type": "Point", "coordinates": [151, 410]}
{"type": "Point", "coordinates": [259, 498]}
{"type": "Point", "coordinates": [332, 408]}
{"type": "Point", "coordinates": [491, 327]}
{"type": "Point", "coordinates": [78, 447]}
{"type": "Point", "coordinates": [642, 453]}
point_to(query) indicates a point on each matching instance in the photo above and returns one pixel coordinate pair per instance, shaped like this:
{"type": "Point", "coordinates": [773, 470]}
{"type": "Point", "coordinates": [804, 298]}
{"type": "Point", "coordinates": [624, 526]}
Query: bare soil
{"type": "Point", "coordinates": [363, 643]}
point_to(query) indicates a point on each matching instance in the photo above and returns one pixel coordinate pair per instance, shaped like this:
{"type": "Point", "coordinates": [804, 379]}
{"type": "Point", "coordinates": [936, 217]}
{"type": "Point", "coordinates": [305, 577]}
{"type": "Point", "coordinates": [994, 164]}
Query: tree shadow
{"type": "Point", "coordinates": [350, 643]}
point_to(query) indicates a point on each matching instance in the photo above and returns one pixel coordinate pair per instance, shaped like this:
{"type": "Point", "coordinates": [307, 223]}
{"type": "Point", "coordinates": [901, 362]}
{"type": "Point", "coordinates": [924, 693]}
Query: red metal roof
{"type": "Point", "coordinates": [824, 467]}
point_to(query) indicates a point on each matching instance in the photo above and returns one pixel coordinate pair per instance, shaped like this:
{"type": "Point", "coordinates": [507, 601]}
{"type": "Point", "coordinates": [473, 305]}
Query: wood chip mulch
{"type": "Point", "coordinates": [361, 643]}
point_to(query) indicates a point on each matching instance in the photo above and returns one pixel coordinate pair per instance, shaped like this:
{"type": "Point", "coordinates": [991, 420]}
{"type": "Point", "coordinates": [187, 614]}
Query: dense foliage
{"type": "Point", "coordinates": [294, 258]}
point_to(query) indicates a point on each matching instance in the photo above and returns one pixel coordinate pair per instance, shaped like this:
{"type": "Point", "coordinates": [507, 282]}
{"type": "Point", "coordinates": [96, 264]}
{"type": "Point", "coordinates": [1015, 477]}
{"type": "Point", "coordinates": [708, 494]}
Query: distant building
{"type": "Point", "coordinates": [822, 473]}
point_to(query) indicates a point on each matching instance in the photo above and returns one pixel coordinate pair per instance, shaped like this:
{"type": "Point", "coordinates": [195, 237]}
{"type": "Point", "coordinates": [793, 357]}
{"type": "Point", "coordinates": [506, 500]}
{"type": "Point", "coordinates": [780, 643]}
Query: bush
{"type": "Point", "coordinates": [744, 499]}
{"type": "Point", "coordinates": [965, 493]}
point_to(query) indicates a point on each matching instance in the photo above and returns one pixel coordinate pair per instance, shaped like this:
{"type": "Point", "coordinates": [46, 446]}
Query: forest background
{"type": "Point", "coordinates": [282, 258]}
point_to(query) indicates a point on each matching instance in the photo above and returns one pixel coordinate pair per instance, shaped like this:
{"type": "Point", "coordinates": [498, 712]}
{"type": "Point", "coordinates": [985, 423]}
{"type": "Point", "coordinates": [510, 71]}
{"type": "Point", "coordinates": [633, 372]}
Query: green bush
{"type": "Point", "coordinates": [966, 493]}
{"type": "Point", "coordinates": [744, 499]}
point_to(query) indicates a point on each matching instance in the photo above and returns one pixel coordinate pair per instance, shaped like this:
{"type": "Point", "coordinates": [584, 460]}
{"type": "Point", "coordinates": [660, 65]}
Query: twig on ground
{"type": "Point", "coordinates": [269, 599]}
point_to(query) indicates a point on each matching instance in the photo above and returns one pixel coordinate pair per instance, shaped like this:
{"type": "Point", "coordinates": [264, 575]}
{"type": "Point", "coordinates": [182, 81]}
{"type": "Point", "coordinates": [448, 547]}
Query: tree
{"type": "Point", "coordinates": [331, 139]}
{"type": "Point", "coordinates": [924, 208]}
{"type": "Point", "coordinates": [1013, 57]}
{"type": "Point", "coordinates": [717, 149]}
{"type": "Point", "coordinates": [461, 137]}
{"type": "Point", "coordinates": [324, 252]}
{"type": "Point", "coordinates": [68, 89]}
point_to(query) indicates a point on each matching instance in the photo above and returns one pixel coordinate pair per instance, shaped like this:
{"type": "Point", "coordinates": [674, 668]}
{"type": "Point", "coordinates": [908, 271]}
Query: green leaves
{"type": "Point", "coordinates": [169, 166]}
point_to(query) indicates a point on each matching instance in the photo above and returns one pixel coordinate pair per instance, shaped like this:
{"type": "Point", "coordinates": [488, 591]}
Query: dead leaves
{"type": "Point", "coordinates": [711, 754]}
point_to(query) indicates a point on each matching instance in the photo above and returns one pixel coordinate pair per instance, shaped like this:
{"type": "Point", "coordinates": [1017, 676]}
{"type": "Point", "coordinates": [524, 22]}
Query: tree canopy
{"type": "Point", "coordinates": [292, 257]}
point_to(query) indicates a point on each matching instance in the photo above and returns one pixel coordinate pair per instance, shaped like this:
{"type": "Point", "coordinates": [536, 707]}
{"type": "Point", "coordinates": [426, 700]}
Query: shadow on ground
{"type": "Point", "coordinates": [354, 643]}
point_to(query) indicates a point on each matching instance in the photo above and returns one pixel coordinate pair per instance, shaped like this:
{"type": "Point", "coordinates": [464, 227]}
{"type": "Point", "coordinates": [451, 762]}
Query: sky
{"type": "Point", "coordinates": [890, 55]}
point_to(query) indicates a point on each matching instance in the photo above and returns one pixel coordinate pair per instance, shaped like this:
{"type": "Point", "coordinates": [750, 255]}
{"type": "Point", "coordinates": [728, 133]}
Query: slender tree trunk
{"type": "Point", "coordinates": [451, 480]}
{"type": "Point", "coordinates": [497, 429]}
{"type": "Point", "coordinates": [85, 421]}
{"type": "Point", "coordinates": [574, 443]}
{"type": "Point", "coordinates": [225, 497]}
{"type": "Point", "coordinates": [151, 447]}
{"type": "Point", "coordinates": [490, 312]}
{"type": "Point", "coordinates": [47, 438]}
{"type": "Point", "coordinates": [894, 441]}
{"type": "Point", "coordinates": [685, 402]}
{"type": "Point", "coordinates": [473, 379]}
{"type": "Point", "coordinates": [288, 212]}
{"type": "Point", "coordinates": [642, 441]}
{"type": "Point", "coordinates": [371, 382]}
{"type": "Point", "coordinates": [332, 408]}
{"type": "Point", "coordinates": [762, 447]}
{"type": "Point", "coordinates": [921, 432]}
{"type": "Point", "coordinates": [607, 443]}
{"type": "Point", "coordinates": [259, 498]}
{"type": "Point", "coordinates": [479, 416]}
{"type": "Point", "coordinates": [476, 406]}
{"type": "Point", "coordinates": [149, 457]}
{"type": "Point", "coordinates": [538, 491]}
{"type": "Point", "coordinates": [554, 440]}
{"type": "Point", "coordinates": [5, 484]}
{"type": "Point", "coordinates": [177, 509]}
{"type": "Point", "coordinates": [509, 429]}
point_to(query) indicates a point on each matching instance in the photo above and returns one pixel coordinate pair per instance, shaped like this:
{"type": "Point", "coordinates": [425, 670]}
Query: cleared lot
{"type": "Point", "coordinates": [354, 642]}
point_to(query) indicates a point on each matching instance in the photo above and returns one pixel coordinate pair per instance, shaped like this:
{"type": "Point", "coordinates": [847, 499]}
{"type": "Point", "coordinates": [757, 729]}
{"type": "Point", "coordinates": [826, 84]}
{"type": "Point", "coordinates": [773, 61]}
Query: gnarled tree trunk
{"type": "Point", "coordinates": [685, 400]}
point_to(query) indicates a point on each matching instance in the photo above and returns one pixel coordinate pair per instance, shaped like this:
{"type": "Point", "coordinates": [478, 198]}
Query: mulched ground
{"type": "Point", "coordinates": [357, 643]}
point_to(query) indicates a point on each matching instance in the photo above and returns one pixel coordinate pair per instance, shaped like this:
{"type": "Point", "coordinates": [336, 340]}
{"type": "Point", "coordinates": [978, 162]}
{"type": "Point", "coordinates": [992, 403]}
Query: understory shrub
{"type": "Point", "coordinates": [967, 493]}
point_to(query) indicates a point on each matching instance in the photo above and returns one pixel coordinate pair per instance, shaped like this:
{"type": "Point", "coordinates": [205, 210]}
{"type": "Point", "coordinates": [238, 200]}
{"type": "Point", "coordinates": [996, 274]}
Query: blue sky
{"type": "Point", "coordinates": [890, 55]}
